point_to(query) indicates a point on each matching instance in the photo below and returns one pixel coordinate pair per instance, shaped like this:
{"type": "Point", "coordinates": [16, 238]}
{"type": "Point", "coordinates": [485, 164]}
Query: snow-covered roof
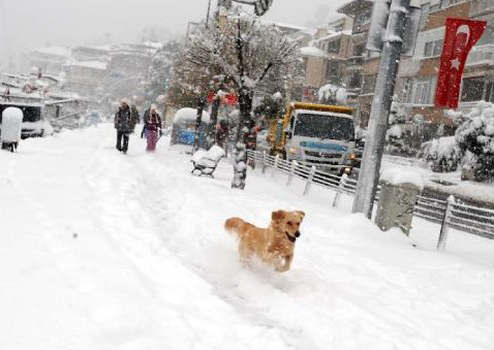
{"type": "Point", "coordinates": [355, 6]}
{"type": "Point", "coordinates": [334, 35]}
{"type": "Point", "coordinates": [312, 51]}
{"type": "Point", "coordinates": [23, 104]}
{"type": "Point", "coordinates": [289, 26]}
{"type": "Point", "coordinates": [54, 50]}
{"type": "Point", "coordinates": [189, 114]}
{"type": "Point", "coordinates": [153, 44]}
{"type": "Point", "coordinates": [89, 64]}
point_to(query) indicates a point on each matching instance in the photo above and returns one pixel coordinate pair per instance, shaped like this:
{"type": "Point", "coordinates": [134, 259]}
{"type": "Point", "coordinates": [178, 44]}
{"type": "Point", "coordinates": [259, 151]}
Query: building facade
{"type": "Point", "coordinates": [417, 77]}
{"type": "Point", "coordinates": [326, 57]}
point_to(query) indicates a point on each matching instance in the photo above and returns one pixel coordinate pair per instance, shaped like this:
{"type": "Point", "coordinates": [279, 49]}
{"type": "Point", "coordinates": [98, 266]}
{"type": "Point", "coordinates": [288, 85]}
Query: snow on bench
{"type": "Point", "coordinates": [205, 162]}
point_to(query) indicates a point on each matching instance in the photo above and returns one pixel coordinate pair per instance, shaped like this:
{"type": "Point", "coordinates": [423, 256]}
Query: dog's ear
{"type": "Point", "coordinates": [277, 215]}
{"type": "Point", "coordinates": [301, 213]}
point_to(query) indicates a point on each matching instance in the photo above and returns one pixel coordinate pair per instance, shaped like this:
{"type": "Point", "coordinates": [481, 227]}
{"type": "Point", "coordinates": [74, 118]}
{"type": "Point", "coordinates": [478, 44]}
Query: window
{"type": "Point", "coordinates": [428, 49]}
{"type": "Point", "coordinates": [472, 90]}
{"type": "Point", "coordinates": [423, 91]}
{"type": "Point", "coordinates": [332, 71]}
{"type": "Point", "coordinates": [355, 81]}
{"type": "Point", "coordinates": [489, 92]}
{"type": "Point", "coordinates": [360, 20]}
{"type": "Point", "coordinates": [407, 90]}
{"type": "Point", "coordinates": [369, 84]}
{"type": "Point", "coordinates": [338, 28]}
{"type": "Point", "coordinates": [433, 48]}
{"type": "Point", "coordinates": [438, 48]}
{"type": "Point", "coordinates": [334, 46]}
{"type": "Point", "coordinates": [488, 35]}
{"type": "Point", "coordinates": [444, 3]}
{"type": "Point", "coordinates": [358, 50]}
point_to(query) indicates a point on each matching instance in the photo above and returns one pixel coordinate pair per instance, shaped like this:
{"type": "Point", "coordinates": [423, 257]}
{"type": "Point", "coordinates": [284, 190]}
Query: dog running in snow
{"type": "Point", "coordinates": [274, 245]}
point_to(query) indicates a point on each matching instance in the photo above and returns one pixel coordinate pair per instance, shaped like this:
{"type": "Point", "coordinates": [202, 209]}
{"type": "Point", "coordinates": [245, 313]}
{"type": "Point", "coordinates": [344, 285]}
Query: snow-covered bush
{"type": "Point", "coordinates": [442, 154]}
{"type": "Point", "coordinates": [396, 136]}
{"type": "Point", "coordinates": [332, 94]}
{"type": "Point", "coordinates": [476, 135]}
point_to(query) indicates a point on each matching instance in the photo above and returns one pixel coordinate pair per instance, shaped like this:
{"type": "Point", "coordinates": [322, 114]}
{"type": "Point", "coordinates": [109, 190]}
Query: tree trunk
{"type": "Point", "coordinates": [244, 125]}
{"type": "Point", "coordinates": [213, 132]}
{"type": "Point", "coordinates": [200, 108]}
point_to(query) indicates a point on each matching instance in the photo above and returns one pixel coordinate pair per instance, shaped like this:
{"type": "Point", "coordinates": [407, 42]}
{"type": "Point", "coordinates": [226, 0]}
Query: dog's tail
{"type": "Point", "coordinates": [232, 226]}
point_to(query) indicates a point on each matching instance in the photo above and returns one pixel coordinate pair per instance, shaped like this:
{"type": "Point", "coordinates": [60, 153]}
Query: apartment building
{"type": "Point", "coordinates": [478, 78]}
{"type": "Point", "coordinates": [87, 78]}
{"type": "Point", "coordinates": [416, 87]}
{"type": "Point", "coordinates": [325, 59]}
{"type": "Point", "coordinates": [361, 68]}
{"type": "Point", "coordinates": [49, 60]}
{"type": "Point", "coordinates": [417, 77]}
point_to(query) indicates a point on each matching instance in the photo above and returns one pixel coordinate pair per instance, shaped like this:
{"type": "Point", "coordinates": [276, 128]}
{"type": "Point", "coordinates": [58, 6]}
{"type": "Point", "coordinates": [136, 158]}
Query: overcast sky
{"type": "Point", "coordinates": [26, 24]}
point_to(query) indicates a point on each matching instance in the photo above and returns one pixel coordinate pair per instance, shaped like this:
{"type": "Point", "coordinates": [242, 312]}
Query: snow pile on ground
{"type": "Point", "coordinates": [398, 176]}
{"type": "Point", "coordinates": [100, 250]}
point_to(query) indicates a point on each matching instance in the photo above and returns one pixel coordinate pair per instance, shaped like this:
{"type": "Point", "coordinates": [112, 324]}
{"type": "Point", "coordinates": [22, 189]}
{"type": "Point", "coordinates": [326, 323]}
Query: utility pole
{"type": "Point", "coordinates": [381, 105]}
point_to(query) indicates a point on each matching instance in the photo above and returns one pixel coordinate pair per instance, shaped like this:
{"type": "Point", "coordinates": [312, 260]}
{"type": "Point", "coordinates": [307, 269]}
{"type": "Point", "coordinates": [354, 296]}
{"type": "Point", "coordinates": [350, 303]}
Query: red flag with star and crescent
{"type": "Point", "coordinates": [461, 35]}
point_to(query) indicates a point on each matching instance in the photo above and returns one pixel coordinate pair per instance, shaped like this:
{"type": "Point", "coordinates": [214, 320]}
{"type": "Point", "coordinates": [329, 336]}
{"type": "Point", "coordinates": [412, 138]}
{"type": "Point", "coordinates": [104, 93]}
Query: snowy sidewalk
{"type": "Point", "coordinates": [99, 250]}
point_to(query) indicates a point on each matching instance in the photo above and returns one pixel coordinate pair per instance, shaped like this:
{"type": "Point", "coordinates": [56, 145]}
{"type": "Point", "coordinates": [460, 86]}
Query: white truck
{"type": "Point", "coordinates": [315, 134]}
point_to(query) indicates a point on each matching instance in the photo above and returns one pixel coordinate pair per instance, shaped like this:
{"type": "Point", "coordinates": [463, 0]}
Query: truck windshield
{"type": "Point", "coordinates": [30, 113]}
{"type": "Point", "coordinates": [324, 126]}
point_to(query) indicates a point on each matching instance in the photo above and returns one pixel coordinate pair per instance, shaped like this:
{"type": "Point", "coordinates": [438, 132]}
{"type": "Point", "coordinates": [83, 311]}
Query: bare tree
{"type": "Point", "coordinates": [245, 51]}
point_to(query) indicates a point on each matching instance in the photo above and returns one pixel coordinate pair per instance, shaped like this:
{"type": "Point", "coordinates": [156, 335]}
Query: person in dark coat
{"type": "Point", "coordinates": [125, 122]}
{"type": "Point", "coordinates": [135, 115]}
{"type": "Point", "coordinates": [222, 132]}
{"type": "Point", "coordinates": [152, 123]}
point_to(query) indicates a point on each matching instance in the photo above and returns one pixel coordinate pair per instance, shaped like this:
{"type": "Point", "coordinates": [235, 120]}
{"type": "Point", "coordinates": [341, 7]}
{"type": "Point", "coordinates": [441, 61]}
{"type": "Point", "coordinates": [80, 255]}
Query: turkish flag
{"type": "Point", "coordinates": [461, 35]}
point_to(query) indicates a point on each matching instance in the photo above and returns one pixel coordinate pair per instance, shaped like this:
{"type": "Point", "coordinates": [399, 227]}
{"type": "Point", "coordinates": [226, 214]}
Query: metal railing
{"type": "Point", "coordinates": [449, 213]}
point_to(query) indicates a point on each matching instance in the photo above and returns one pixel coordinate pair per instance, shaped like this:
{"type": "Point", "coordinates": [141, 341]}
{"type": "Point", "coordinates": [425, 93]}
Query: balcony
{"type": "Point", "coordinates": [481, 55]}
{"type": "Point", "coordinates": [481, 7]}
{"type": "Point", "coordinates": [466, 107]}
{"type": "Point", "coordinates": [356, 61]}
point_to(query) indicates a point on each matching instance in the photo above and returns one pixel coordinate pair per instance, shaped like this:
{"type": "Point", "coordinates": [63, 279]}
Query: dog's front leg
{"type": "Point", "coordinates": [282, 263]}
{"type": "Point", "coordinates": [288, 262]}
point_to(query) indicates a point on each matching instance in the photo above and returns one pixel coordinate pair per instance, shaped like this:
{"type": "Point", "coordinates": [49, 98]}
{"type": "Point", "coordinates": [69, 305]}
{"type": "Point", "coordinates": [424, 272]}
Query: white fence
{"type": "Point", "coordinates": [449, 213]}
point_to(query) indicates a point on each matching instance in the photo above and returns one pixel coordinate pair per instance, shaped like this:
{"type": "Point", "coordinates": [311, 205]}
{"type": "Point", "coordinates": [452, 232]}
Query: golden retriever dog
{"type": "Point", "coordinates": [273, 245]}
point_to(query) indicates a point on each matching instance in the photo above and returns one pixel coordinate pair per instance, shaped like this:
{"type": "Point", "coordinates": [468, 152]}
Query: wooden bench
{"type": "Point", "coordinates": [205, 162]}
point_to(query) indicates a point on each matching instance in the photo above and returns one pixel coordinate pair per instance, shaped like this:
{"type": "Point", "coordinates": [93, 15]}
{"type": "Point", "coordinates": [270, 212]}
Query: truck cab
{"type": "Point", "coordinates": [33, 123]}
{"type": "Point", "coordinates": [319, 135]}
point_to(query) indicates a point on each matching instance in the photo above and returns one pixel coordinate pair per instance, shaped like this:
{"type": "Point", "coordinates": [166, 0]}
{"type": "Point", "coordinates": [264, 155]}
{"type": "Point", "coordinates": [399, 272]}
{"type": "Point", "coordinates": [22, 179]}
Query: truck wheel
{"type": "Point", "coordinates": [283, 154]}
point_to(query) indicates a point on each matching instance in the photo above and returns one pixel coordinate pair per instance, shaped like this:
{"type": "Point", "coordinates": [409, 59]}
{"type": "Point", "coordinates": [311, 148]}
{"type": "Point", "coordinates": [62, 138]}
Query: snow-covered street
{"type": "Point", "coordinates": [100, 250]}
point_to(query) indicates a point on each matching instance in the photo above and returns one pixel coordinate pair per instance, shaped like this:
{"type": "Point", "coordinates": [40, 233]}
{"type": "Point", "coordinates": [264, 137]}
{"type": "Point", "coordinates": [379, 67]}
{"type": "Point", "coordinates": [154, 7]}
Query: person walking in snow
{"type": "Point", "coordinates": [152, 124]}
{"type": "Point", "coordinates": [125, 122]}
